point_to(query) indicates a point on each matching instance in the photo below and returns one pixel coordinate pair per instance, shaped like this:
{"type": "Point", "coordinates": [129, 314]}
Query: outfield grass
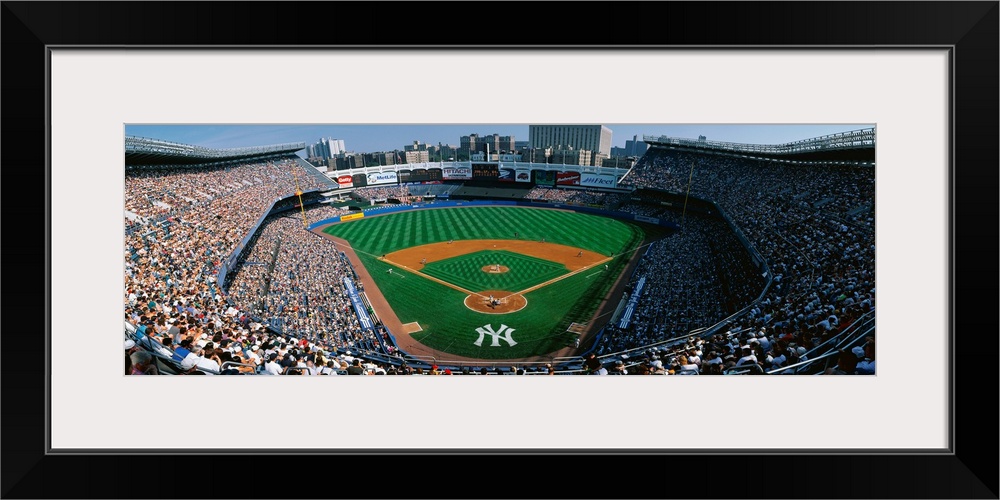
{"type": "Point", "coordinates": [466, 271]}
{"type": "Point", "coordinates": [388, 233]}
{"type": "Point", "coordinates": [447, 324]}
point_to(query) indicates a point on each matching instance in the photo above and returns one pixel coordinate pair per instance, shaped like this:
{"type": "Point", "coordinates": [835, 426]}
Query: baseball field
{"type": "Point", "coordinates": [490, 283]}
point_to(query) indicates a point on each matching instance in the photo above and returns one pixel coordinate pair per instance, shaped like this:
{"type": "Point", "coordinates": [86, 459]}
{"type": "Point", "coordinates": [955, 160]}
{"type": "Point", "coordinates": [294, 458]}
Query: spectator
{"type": "Point", "coordinates": [142, 364]}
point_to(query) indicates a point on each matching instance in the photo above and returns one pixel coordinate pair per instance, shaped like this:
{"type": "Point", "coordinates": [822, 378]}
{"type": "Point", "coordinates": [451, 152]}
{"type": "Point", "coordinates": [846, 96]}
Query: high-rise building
{"type": "Point", "coordinates": [327, 148]}
{"type": "Point", "coordinates": [468, 144]}
{"type": "Point", "coordinates": [349, 160]}
{"type": "Point", "coordinates": [506, 143]}
{"type": "Point", "coordinates": [416, 156]}
{"type": "Point", "coordinates": [416, 146]}
{"type": "Point", "coordinates": [635, 147]}
{"type": "Point", "coordinates": [571, 156]}
{"type": "Point", "coordinates": [474, 142]}
{"type": "Point", "coordinates": [379, 159]}
{"type": "Point", "coordinates": [446, 151]}
{"type": "Point", "coordinates": [596, 138]}
{"type": "Point", "coordinates": [336, 146]}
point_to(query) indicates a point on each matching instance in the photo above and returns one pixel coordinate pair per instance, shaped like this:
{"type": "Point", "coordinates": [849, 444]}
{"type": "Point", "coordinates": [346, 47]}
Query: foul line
{"type": "Point", "coordinates": [560, 278]}
{"type": "Point", "coordinates": [418, 273]}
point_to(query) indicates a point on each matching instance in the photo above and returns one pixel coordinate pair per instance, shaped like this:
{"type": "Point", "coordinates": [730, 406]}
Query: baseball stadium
{"type": "Point", "coordinates": [694, 257]}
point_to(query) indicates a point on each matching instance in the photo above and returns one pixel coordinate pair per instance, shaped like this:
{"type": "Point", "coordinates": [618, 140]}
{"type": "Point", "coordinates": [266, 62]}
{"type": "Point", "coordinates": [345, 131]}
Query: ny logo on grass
{"type": "Point", "coordinates": [503, 333]}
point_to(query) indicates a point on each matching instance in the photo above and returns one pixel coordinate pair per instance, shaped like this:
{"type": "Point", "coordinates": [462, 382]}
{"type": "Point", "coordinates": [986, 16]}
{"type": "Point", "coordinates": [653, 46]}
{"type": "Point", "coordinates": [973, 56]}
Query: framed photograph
{"type": "Point", "coordinates": [86, 82]}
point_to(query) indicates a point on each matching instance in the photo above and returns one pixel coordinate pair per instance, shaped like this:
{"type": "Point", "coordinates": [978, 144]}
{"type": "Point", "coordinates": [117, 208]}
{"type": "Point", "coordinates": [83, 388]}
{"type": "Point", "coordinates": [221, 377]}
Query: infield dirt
{"type": "Point", "coordinates": [571, 257]}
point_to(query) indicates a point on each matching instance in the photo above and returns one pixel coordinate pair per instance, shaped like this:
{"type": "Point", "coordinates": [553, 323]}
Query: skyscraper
{"type": "Point", "coordinates": [595, 138]}
{"type": "Point", "coordinates": [635, 147]}
{"type": "Point", "coordinates": [328, 148]}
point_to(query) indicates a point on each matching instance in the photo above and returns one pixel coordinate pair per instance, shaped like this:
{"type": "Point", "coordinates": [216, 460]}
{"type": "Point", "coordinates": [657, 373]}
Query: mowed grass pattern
{"type": "Point", "coordinates": [451, 327]}
{"type": "Point", "coordinates": [466, 271]}
{"type": "Point", "coordinates": [385, 234]}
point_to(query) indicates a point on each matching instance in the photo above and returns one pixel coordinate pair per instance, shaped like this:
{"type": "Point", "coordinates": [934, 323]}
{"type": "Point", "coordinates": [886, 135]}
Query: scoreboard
{"type": "Point", "coordinates": [485, 171]}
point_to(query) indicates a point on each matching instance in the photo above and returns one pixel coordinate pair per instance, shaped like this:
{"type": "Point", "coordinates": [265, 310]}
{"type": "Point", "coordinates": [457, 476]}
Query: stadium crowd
{"type": "Point", "coordinates": [576, 196]}
{"type": "Point", "coordinates": [285, 309]}
{"type": "Point", "coordinates": [175, 250]}
{"type": "Point", "coordinates": [383, 192]}
{"type": "Point", "coordinates": [693, 278]}
{"type": "Point", "coordinates": [304, 292]}
{"type": "Point", "coordinates": [814, 226]}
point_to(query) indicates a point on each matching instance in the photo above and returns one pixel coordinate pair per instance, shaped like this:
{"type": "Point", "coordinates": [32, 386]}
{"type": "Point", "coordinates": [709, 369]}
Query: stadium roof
{"type": "Point", "coordinates": [857, 145]}
{"type": "Point", "coordinates": [143, 151]}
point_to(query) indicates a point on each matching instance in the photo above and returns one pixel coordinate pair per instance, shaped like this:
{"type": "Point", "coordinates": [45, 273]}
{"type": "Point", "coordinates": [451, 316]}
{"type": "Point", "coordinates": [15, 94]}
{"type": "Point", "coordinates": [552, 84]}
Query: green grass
{"type": "Point", "coordinates": [388, 233]}
{"type": "Point", "coordinates": [447, 324]}
{"type": "Point", "coordinates": [466, 271]}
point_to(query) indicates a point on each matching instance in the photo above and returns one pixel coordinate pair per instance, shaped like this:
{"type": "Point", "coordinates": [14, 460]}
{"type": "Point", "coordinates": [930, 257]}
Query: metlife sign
{"type": "Point", "coordinates": [599, 180]}
{"type": "Point", "coordinates": [382, 178]}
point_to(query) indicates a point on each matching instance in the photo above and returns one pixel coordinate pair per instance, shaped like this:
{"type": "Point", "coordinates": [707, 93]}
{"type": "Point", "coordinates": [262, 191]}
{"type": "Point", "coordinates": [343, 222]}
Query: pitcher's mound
{"type": "Point", "coordinates": [495, 269]}
{"type": "Point", "coordinates": [507, 302]}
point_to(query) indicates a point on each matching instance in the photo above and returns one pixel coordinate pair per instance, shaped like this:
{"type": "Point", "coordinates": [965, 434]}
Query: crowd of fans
{"type": "Point", "coordinates": [285, 310]}
{"type": "Point", "coordinates": [174, 252]}
{"type": "Point", "coordinates": [693, 278]}
{"type": "Point", "coordinates": [576, 196]}
{"type": "Point", "coordinates": [813, 225]}
{"type": "Point", "coordinates": [739, 350]}
{"type": "Point", "coordinates": [383, 192]}
{"type": "Point", "coordinates": [295, 279]}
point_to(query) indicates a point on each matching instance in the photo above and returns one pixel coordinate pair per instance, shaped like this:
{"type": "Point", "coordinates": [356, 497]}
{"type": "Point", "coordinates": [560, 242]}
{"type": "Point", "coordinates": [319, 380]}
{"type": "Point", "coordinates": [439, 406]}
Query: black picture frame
{"type": "Point", "coordinates": [29, 29]}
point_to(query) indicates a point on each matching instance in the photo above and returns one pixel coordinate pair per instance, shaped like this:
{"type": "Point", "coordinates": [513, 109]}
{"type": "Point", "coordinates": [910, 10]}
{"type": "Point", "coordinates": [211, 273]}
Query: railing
{"type": "Point", "coordinates": [863, 321]}
{"type": "Point", "coordinates": [751, 369]}
{"type": "Point", "coordinates": [140, 145]}
{"type": "Point", "coordinates": [452, 164]}
{"type": "Point", "coordinates": [863, 138]}
{"type": "Point", "coordinates": [802, 364]}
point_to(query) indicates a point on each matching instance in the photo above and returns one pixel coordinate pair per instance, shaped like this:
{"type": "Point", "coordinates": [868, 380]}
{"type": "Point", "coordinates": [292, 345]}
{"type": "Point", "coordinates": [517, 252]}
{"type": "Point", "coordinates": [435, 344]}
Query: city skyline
{"type": "Point", "coordinates": [363, 138]}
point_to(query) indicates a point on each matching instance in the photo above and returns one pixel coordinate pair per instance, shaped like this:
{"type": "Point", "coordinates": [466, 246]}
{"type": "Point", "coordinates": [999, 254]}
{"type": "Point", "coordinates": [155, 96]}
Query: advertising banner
{"type": "Point", "coordinates": [643, 218]}
{"type": "Point", "coordinates": [506, 174]}
{"type": "Point", "coordinates": [599, 180]}
{"type": "Point", "coordinates": [545, 178]}
{"type": "Point", "coordinates": [522, 174]}
{"type": "Point", "coordinates": [359, 306]}
{"type": "Point", "coordinates": [382, 178]}
{"type": "Point", "coordinates": [568, 178]}
{"type": "Point", "coordinates": [632, 302]}
{"type": "Point", "coordinates": [460, 173]}
{"type": "Point", "coordinates": [351, 216]}
{"type": "Point", "coordinates": [345, 181]}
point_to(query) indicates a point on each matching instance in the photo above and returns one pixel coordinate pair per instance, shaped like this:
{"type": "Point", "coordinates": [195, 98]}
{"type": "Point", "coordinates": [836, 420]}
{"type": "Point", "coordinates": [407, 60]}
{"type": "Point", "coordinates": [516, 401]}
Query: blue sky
{"type": "Point", "coordinates": [367, 138]}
